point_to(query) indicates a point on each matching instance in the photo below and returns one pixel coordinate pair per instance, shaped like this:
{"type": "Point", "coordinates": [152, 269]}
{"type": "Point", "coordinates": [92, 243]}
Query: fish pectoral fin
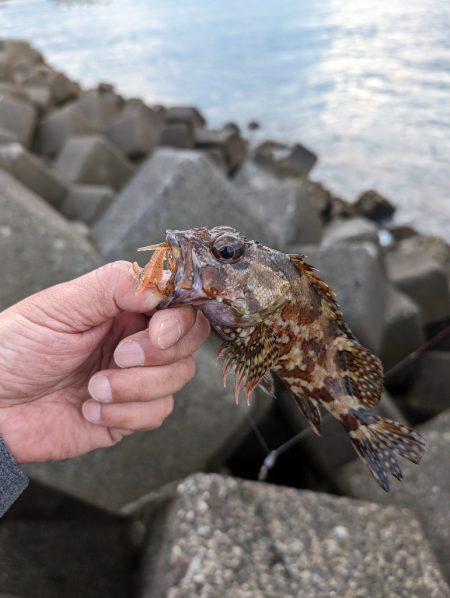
{"type": "Point", "coordinates": [251, 357]}
{"type": "Point", "coordinates": [361, 371]}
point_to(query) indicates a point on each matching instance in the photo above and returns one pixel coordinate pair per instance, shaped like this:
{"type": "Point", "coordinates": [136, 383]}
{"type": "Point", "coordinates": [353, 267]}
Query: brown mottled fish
{"type": "Point", "coordinates": [277, 315]}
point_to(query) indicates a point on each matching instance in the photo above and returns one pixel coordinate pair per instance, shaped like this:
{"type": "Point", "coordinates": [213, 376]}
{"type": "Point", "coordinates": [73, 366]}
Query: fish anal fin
{"type": "Point", "coordinates": [310, 411]}
{"type": "Point", "coordinates": [361, 371]}
{"type": "Point", "coordinates": [251, 356]}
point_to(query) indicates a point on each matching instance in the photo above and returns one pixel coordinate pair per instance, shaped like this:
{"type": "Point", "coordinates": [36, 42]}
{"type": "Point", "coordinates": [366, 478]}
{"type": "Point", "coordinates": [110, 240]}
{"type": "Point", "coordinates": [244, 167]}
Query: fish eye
{"type": "Point", "coordinates": [227, 248]}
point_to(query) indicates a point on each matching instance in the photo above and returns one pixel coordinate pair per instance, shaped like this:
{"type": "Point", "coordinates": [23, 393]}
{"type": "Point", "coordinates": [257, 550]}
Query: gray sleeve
{"type": "Point", "coordinates": [13, 480]}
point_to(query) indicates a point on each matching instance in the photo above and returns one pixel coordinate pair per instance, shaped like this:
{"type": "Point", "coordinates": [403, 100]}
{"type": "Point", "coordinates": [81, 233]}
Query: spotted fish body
{"type": "Point", "coordinates": [275, 314]}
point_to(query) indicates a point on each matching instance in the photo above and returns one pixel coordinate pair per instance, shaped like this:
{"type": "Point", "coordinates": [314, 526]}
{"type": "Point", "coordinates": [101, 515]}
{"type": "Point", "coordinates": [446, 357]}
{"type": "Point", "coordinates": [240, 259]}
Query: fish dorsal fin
{"type": "Point", "coordinates": [361, 371]}
{"type": "Point", "coordinates": [251, 356]}
{"type": "Point", "coordinates": [324, 291]}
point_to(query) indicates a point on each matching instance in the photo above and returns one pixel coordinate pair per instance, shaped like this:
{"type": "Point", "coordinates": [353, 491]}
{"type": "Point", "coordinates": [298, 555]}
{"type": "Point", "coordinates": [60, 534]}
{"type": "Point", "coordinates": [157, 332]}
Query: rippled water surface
{"type": "Point", "coordinates": [365, 83]}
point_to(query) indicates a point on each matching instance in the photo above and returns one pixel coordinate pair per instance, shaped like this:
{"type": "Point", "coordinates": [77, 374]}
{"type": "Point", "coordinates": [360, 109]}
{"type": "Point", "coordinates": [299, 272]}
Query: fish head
{"type": "Point", "coordinates": [234, 280]}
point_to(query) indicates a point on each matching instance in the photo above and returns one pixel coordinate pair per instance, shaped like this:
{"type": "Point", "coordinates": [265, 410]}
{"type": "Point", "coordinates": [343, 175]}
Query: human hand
{"type": "Point", "coordinates": [91, 336]}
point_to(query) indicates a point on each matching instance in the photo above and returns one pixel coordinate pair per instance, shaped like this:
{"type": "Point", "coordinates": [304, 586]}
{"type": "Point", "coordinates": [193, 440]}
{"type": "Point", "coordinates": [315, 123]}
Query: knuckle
{"type": "Point", "coordinates": [188, 371]}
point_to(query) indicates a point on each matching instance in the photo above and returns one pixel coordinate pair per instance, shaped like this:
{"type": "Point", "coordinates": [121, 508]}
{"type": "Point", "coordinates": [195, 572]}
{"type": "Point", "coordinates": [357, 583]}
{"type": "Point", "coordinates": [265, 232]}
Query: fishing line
{"type": "Point", "coordinates": [272, 456]}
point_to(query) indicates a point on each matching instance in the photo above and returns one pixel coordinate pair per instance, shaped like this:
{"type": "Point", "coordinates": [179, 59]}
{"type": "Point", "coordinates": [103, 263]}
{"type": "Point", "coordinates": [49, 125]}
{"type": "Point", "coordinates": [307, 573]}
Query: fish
{"type": "Point", "coordinates": [277, 316]}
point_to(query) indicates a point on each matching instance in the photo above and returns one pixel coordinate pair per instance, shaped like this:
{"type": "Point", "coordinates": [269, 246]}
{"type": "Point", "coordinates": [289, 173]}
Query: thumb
{"type": "Point", "coordinates": [91, 299]}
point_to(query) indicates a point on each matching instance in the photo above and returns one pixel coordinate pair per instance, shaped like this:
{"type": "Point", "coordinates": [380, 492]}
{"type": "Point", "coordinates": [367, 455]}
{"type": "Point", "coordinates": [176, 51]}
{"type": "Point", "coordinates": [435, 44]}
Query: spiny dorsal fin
{"type": "Point", "coordinates": [251, 357]}
{"type": "Point", "coordinates": [325, 292]}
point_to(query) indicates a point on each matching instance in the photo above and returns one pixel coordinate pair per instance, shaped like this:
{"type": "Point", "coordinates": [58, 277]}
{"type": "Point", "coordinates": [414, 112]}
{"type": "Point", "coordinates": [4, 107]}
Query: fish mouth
{"type": "Point", "coordinates": [185, 272]}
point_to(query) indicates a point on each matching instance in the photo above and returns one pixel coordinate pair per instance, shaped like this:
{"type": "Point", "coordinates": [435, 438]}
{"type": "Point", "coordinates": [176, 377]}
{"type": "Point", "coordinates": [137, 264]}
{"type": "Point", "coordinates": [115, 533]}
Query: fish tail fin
{"type": "Point", "coordinates": [377, 441]}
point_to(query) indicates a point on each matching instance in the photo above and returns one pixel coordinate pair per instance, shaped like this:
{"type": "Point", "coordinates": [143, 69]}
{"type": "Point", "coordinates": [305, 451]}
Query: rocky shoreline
{"type": "Point", "coordinates": [86, 176]}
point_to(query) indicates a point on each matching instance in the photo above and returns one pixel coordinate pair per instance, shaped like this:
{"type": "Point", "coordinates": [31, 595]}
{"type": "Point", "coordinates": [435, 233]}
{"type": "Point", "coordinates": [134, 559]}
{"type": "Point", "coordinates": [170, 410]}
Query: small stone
{"type": "Point", "coordinates": [285, 160]}
{"type": "Point", "coordinates": [374, 206]}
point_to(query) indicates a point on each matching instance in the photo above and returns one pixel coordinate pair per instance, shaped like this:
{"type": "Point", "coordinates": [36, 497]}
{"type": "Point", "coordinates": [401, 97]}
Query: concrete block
{"type": "Point", "coordinates": [284, 208]}
{"type": "Point", "coordinates": [92, 160]}
{"type": "Point", "coordinates": [230, 537]}
{"type": "Point", "coordinates": [16, 54]}
{"type": "Point", "coordinates": [133, 134]}
{"type": "Point", "coordinates": [39, 96]}
{"type": "Point", "coordinates": [429, 393]}
{"type": "Point", "coordinates": [172, 189]}
{"type": "Point", "coordinates": [203, 430]}
{"type": "Point", "coordinates": [403, 328]}
{"type": "Point", "coordinates": [55, 130]}
{"type": "Point", "coordinates": [19, 118]}
{"type": "Point", "coordinates": [351, 230]}
{"type": "Point", "coordinates": [13, 91]}
{"type": "Point", "coordinates": [33, 173]}
{"type": "Point", "coordinates": [87, 203]}
{"type": "Point", "coordinates": [60, 87]}
{"type": "Point", "coordinates": [425, 489]}
{"type": "Point", "coordinates": [354, 272]}
{"type": "Point", "coordinates": [229, 142]}
{"type": "Point", "coordinates": [99, 109]}
{"type": "Point", "coordinates": [65, 557]}
{"type": "Point", "coordinates": [177, 135]}
{"type": "Point", "coordinates": [374, 206]}
{"type": "Point", "coordinates": [186, 115]}
{"type": "Point", "coordinates": [285, 160]}
{"type": "Point", "coordinates": [38, 246]}
{"type": "Point", "coordinates": [8, 137]}
{"type": "Point", "coordinates": [434, 247]}
{"type": "Point", "coordinates": [424, 280]}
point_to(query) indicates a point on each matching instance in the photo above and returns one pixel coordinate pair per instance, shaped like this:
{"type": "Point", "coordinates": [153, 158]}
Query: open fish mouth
{"type": "Point", "coordinates": [185, 283]}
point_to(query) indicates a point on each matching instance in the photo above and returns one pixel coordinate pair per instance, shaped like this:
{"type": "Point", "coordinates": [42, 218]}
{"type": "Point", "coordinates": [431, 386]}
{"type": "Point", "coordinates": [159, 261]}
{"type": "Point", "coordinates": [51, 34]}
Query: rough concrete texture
{"type": "Point", "coordinates": [55, 130]}
{"type": "Point", "coordinates": [354, 273]}
{"type": "Point", "coordinates": [33, 173]}
{"type": "Point", "coordinates": [285, 160]}
{"type": "Point", "coordinates": [374, 206]}
{"type": "Point", "coordinates": [177, 190]}
{"type": "Point", "coordinates": [430, 390]}
{"type": "Point", "coordinates": [228, 537]}
{"type": "Point", "coordinates": [133, 134]}
{"type": "Point", "coordinates": [288, 215]}
{"type": "Point", "coordinates": [204, 428]}
{"type": "Point", "coordinates": [87, 203]}
{"type": "Point", "coordinates": [39, 96]}
{"type": "Point", "coordinates": [352, 230]}
{"type": "Point", "coordinates": [38, 246]}
{"type": "Point", "coordinates": [403, 328]}
{"type": "Point", "coordinates": [229, 142]}
{"type": "Point", "coordinates": [16, 54]}
{"type": "Point", "coordinates": [70, 558]}
{"type": "Point", "coordinates": [92, 160]}
{"type": "Point", "coordinates": [425, 489]}
{"type": "Point", "coordinates": [424, 280]}
{"type": "Point", "coordinates": [19, 118]}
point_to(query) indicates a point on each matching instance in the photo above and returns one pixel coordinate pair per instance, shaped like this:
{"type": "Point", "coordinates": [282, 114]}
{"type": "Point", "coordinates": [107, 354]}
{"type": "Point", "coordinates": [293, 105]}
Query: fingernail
{"type": "Point", "coordinates": [169, 333]}
{"type": "Point", "coordinates": [129, 354]}
{"type": "Point", "coordinates": [92, 411]}
{"type": "Point", "coordinates": [99, 388]}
